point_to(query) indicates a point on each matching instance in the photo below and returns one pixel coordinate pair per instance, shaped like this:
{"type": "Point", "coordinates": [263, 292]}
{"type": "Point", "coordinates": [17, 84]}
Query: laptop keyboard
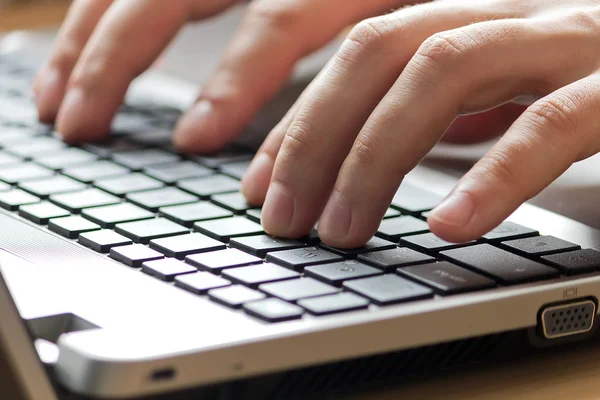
{"type": "Point", "coordinates": [182, 219]}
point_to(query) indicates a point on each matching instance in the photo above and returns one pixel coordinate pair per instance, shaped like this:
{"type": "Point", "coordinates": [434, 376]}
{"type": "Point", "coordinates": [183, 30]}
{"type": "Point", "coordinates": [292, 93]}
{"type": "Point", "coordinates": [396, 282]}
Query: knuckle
{"type": "Point", "coordinates": [371, 33]}
{"type": "Point", "coordinates": [365, 151]}
{"type": "Point", "coordinates": [557, 113]}
{"type": "Point", "coordinates": [296, 143]}
{"type": "Point", "coordinates": [280, 16]}
{"type": "Point", "coordinates": [443, 50]}
{"type": "Point", "coordinates": [66, 55]}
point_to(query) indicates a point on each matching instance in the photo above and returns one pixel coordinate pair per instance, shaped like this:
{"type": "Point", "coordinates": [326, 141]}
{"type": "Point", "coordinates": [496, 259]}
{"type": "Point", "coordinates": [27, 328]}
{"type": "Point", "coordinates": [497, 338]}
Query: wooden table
{"type": "Point", "coordinates": [564, 375]}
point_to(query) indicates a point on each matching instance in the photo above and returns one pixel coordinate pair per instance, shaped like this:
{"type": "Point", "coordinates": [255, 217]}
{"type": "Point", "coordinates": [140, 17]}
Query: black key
{"type": "Point", "coordinates": [507, 267]}
{"type": "Point", "coordinates": [71, 227]}
{"type": "Point", "coordinates": [52, 185]}
{"type": "Point", "coordinates": [226, 228]}
{"type": "Point", "coordinates": [209, 185]}
{"type": "Point", "coordinates": [13, 199]}
{"type": "Point", "coordinates": [447, 278]}
{"type": "Point", "coordinates": [334, 303]}
{"type": "Point", "coordinates": [146, 230]}
{"type": "Point", "coordinates": [4, 187]}
{"type": "Point", "coordinates": [184, 245]}
{"type": "Point", "coordinates": [140, 159]}
{"type": "Point", "coordinates": [273, 310]}
{"type": "Point", "coordinates": [216, 261]}
{"type": "Point", "coordinates": [75, 202]}
{"type": "Point", "coordinates": [388, 289]}
{"type": "Point", "coordinates": [226, 156]}
{"type": "Point", "coordinates": [254, 214]}
{"type": "Point", "coordinates": [171, 173]}
{"type": "Point", "coordinates": [297, 289]}
{"type": "Point", "coordinates": [394, 258]}
{"type": "Point", "coordinates": [109, 146]}
{"type": "Point", "coordinates": [338, 272]}
{"type": "Point", "coordinates": [430, 242]}
{"type": "Point", "coordinates": [200, 282]}
{"type": "Point", "coordinates": [35, 146]}
{"type": "Point", "coordinates": [134, 255]}
{"type": "Point", "coordinates": [509, 230]}
{"type": "Point", "coordinates": [391, 213]}
{"type": "Point", "coordinates": [372, 245]}
{"type": "Point", "coordinates": [64, 158]}
{"type": "Point", "coordinates": [155, 199]}
{"type": "Point", "coordinates": [263, 244]}
{"type": "Point", "coordinates": [540, 246]}
{"type": "Point", "coordinates": [415, 200]}
{"type": "Point", "coordinates": [41, 213]}
{"type": "Point", "coordinates": [122, 185]}
{"type": "Point", "coordinates": [189, 213]}
{"type": "Point", "coordinates": [154, 138]}
{"type": "Point", "coordinates": [96, 170]}
{"type": "Point", "coordinates": [575, 262]}
{"type": "Point", "coordinates": [297, 259]}
{"type": "Point", "coordinates": [109, 216]}
{"type": "Point", "coordinates": [236, 170]}
{"type": "Point", "coordinates": [394, 228]}
{"type": "Point", "coordinates": [255, 275]}
{"type": "Point", "coordinates": [235, 202]}
{"type": "Point", "coordinates": [8, 159]}
{"type": "Point", "coordinates": [131, 123]}
{"type": "Point", "coordinates": [22, 172]}
{"type": "Point", "coordinates": [167, 269]}
{"type": "Point", "coordinates": [102, 241]}
{"type": "Point", "coordinates": [235, 296]}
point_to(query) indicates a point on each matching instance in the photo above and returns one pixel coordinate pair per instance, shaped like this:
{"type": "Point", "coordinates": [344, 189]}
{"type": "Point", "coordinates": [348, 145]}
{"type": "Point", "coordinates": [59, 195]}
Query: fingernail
{"type": "Point", "coordinates": [457, 209]}
{"type": "Point", "coordinates": [335, 220]}
{"type": "Point", "coordinates": [49, 90]}
{"type": "Point", "coordinates": [278, 210]}
{"type": "Point", "coordinates": [199, 118]}
{"type": "Point", "coordinates": [72, 110]}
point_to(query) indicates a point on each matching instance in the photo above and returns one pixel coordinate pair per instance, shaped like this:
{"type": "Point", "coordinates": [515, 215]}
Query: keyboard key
{"type": "Point", "coordinates": [297, 289]}
{"type": "Point", "coordinates": [236, 170]}
{"type": "Point", "coordinates": [95, 170]}
{"type": "Point", "coordinates": [394, 258]}
{"type": "Point", "coordinates": [52, 185]}
{"type": "Point", "coordinates": [506, 267]}
{"type": "Point", "coordinates": [181, 246]}
{"type": "Point", "coordinates": [415, 200]}
{"type": "Point", "coordinates": [394, 228]}
{"type": "Point", "coordinates": [226, 228]}
{"type": "Point", "coordinates": [575, 262]}
{"type": "Point", "coordinates": [4, 186]}
{"type": "Point", "coordinates": [263, 244]}
{"type": "Point", "coordinates": [430, 242]}
{"type": "Point", "coordinates": [139, 159]}
{"type": "Point", "coordinates": [35, 146]}
{"type": "Point", "coordinates": [122, 185]}
{"type": "Point", "coordinates": [336, 303]}
{"type": "Point", "coordinates": [64, 158]}
{"type": "Point", "coordinates": [338, 272]}
{"type": "Point", "coordinates": [71, 227]}
{"type": "Point", "coordinates": [171, 173]}
{"type": "Point", "coordinates": [146, 230]}
{"type": "Point", "coordinates": [255, 275]}
{"type": "Point", "coordinates": [235, 296]}
{"type": "Point", "coordinates": [109, 216]}
{"type": "Point", "coordinates": [77, 201]}
{"type": "Point", "coordinates": [22, 172]}
{"type": "Point", "coordinates": [372, 245]}
{"type": "Point", "coordinates": [200, 282]}
{"type": "Point", "coordinates": [13, 199]}
{"type": "Point", "coordinates": [154, 199]}
{"type": "Point", "coordinates": [235, 202]}
{"type": "Point", "coordinates": [189, 213]}
{"type": "Point", "coordinates": [134, 255]}
{"type": "Point", "coordinates": [391, 213]}
{"type": "Point", "coordinates": [509, 230]}
{"type": "Point", "coordinates": [8, 159]}
{"type": "Point", "coordinates": [107, 147]}
{"type": "Point", "coordinates": [388, 289]}
{"type": "Point", "coordinates": [154, 138]}
{"type": "Point", "coordinates": [167, 269]}
{"type": "Point", "coordinates": [273, 310]}
{"type": "Point", "coordinates": [447, 278]}
{"type": "Point", "coordinates": [41, 213]}
{"type": "Point", "coordinates": [216, 261]}
{"type": "Point", "coordinates": [297, 259]}
{"type": "Point", "coordinates": [226, 156]}
{"type": "Point", "coordinates": [102, 241]}
{"type": "Point", "coordinates": [254, 214]}
{"type": "Point", "coordinates": [209, 185]}
{"type": "Point", "coordinates": [540, 246]}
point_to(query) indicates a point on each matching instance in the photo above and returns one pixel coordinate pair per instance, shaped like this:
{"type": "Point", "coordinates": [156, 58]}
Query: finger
{"type": "Point", "coordinates": [272, 37]}
{"type": "Point", "coordinates": [456, 72]}
{"type": "Point", "coordinates": [555, 132]}
{"type": "Point", "coordinates": [50, 82]}
{"type": "Point", "coordinates": [367, 64]}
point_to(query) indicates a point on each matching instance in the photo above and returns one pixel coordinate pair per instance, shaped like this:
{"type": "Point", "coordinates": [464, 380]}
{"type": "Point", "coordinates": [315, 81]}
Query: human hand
{"type": "Point", "coordinates": [397, 84]}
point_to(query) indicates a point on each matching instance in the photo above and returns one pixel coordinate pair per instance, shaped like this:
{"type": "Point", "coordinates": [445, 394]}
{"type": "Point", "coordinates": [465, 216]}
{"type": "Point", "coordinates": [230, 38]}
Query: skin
{"type": "Point", "coordinates": [399, 83]}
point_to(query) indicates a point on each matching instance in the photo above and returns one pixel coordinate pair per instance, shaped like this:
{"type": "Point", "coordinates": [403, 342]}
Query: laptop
{"type": "Point", "coordinates": [142, 272]}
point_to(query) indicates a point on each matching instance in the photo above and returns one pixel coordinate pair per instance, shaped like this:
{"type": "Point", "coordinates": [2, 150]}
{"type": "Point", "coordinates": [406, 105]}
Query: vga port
{"type": "Point", "coordinates": [568, 319]}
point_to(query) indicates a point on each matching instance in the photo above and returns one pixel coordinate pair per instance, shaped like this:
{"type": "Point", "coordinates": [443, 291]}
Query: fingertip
{"type": "Point", "coordinates": [454, 219]}
{"type": "Point", "coordinates": [80, 119]}
{"type": "Point", "coordinates": [255, 183]}
{"type": "Point", "coordinates": [49, 89]}
{"type": "Point", "coordinates": [200, 129]}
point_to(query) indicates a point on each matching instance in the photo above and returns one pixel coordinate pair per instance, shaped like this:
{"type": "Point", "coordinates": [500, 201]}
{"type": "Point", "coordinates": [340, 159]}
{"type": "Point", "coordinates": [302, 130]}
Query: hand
{"type": "Point", "coordinates": [104, 44]}
{"type": "Point", "coordinates": [397, 84]}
